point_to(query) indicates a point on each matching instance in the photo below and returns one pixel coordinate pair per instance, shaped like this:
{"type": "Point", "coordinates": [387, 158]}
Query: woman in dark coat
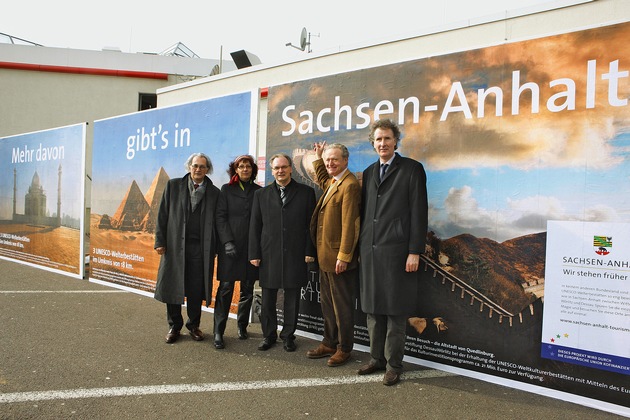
{"type": "Point", "coordinates": [232, 221]}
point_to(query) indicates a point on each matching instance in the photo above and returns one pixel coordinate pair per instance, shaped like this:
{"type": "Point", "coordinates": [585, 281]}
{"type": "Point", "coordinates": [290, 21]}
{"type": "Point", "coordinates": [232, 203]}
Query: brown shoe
{"type": "Point", "coordinates": [369, 368]}
{"type": "Point", "coordinates": [391, 378]}
{"type": "Point", "coordinates": [196, 334]}
{"type": "Point", "coordinates": [320, 351]}
{"type": "Point", "coordinates": [339, 358]}
{"type": "Point", "coordinates": [172, 336]}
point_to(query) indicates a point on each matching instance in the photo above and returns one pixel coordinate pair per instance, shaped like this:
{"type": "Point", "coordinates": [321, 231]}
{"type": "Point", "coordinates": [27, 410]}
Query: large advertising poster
{"type": "Point", "coordinates": [134, 157]}
{"type": "Point", "coordinates": [587, 304]}
{"type": "Point", "coordinates": [511, 136]}
{"type": "Point", "coordinates": [42, 199]}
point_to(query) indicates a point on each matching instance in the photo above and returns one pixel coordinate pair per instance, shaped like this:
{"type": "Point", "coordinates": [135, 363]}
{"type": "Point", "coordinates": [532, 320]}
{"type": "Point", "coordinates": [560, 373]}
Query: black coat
{"type": "Point", "coordinates": [170, 232]}
{"type": "Point", "coordinates": [233, 212]}
{"type": "Point", "coordinates": [279, 235]}
{"type": "Point", "coordinates": [393, 225]}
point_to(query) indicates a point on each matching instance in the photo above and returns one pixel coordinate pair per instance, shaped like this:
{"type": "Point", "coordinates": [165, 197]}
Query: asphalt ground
{"type": "Point", "coordinates": [75, 349]}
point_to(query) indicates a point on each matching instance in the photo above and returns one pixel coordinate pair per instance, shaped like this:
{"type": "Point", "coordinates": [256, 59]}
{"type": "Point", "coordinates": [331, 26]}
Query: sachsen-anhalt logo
{"type": "Point", "coordinates": [602, 244]}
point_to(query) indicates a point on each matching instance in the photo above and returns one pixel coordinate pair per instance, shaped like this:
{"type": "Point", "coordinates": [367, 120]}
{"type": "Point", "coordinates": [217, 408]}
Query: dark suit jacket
{"type": "Point", "coordinates": [170, 233]}
{"type": "Point", "coordinates": [336, 220]}
{"type": "Point", "coordinates": [279, 235]}
{"type": "Point", "coordinates": [393, 225]}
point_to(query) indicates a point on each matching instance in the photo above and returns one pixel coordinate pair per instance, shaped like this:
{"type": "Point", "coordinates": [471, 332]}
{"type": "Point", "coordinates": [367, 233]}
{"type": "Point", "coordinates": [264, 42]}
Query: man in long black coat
{"type": "Point", "coordinates": [185, 239]}
{"type": "Point", "coordinates": [280, 245]}
{"type": "Point", "coordinates": [393, 235]}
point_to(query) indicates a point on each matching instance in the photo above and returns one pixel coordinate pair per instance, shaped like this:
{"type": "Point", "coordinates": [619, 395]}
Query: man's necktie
{"type": "Point", "coordinates": [283, 196]}
{"type": "Point", "coordinates": [196, 186]}
{"type": "Point", "coordinates": [383, 170]}
{"type": "Point", "coordinates": [330, 187]}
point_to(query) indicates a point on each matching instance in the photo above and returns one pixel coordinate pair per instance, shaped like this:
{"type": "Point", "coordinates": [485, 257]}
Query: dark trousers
{"type": "Point", "coordinates": [337, 294]}
{"type": "Point", "coordinates": [269, 318]}
{"type": "Point", "coordinates": [194, 291]}
{"type": "Point", "coordinates": [387, 340]}
{"type": "Point", "coordinates": [223, 301]}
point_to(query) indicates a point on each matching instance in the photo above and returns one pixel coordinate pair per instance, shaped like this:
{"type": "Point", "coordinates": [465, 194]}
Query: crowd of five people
{"type": "Point", "coordinates": [370, 232]}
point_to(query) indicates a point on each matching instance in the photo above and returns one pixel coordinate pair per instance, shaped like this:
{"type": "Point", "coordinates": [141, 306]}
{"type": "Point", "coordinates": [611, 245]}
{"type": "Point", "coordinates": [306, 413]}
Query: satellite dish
{"type": "Point", "coordinates": [303, 36]}
{"type": "Point", "coordinates": [215, 70]}
{"type": "Point", "coordinates": [305, 41]}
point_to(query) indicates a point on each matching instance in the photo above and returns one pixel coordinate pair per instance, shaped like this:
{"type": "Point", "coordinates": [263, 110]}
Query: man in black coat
{"type": "Point", "coordinates": [393, 235]}
{"type": "Point", "coordinates": [280, 245]}
{"type": "Point", "coordinates": [185, 239]}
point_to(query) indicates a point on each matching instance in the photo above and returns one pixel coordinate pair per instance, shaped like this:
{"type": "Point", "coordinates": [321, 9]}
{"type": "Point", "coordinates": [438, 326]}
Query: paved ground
{"type": "Point", "coordinates": [75, 349]}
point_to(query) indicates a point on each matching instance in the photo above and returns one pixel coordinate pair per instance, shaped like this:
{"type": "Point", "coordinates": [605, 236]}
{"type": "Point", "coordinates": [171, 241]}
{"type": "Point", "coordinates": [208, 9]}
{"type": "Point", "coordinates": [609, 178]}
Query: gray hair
{"type": "Point", "coordinates": [344, 150]}
{"type": "Point", "coordinates": [203, 155]}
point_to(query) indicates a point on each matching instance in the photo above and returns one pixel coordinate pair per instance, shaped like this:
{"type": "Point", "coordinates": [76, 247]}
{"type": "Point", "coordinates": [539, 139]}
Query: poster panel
{"type": "Point", "coordinates": [511, 136]}
{"type": "Point", "coordinates": [42, 181]}
{"type": "Point", "coordinates": [587, 300]}
{"type": "Point", "coordinates": [134, 157]}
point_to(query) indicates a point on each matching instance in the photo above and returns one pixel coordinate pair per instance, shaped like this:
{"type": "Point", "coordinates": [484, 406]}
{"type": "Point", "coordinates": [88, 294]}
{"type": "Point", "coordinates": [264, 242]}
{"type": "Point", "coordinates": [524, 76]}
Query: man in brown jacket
{"type": "Point", "coordinates": [335, 231]}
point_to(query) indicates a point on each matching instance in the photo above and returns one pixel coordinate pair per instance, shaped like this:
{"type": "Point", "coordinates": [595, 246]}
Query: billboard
{"type": "Point", "coordinates": [42, 184]}
{"type": "Point", "coordinates": [134, 157]}
{"type": "Point", "coordinates": [511, 137]}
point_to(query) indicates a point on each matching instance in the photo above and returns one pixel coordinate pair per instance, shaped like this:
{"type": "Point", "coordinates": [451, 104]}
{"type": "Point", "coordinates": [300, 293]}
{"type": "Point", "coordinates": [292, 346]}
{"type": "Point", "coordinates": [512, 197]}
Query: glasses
{"type": "Point", "coordinates": [241, 167]}
{"type": "Point", "coordinates": [199, 166]}
{"type": "Point", "coordinates": [277, 168]}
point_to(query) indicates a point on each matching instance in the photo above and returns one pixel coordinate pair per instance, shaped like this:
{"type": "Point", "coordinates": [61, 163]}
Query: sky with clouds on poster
{"type": "Point", "coordinates": [505, 175]}
{"type": "Point", "coordinates": [261, 28]}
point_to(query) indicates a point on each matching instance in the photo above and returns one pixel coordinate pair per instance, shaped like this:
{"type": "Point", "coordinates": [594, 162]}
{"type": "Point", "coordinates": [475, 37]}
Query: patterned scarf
{"type": "Point", "coordinates": [196, 195]}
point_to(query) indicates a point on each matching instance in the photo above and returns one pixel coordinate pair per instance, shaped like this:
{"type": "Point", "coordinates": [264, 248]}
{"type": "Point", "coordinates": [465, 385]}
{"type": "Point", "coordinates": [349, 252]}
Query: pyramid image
{"type": "Point", "coordinates": [132, 210]}
{"type": "Point", "coordinates": [153, 197]}
{"type": "Point", "coordinates": [149, 221]}
{"type": "Point", "coordinates": [105, 222]}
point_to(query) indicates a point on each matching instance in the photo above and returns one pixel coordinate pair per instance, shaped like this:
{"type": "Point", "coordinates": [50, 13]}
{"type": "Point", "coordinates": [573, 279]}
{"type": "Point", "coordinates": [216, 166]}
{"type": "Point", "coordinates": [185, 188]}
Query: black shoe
{"type": "Point", "coordinates": [242, 333]}
{"type": "Point", "coordinates": [266, 344]}
{"type": "Point", "coordinates": [196, 334]}
{"type": "Point", "coordinates": [172, 336]}
{"type": "Point", "coordinates": [218, 341]}
{"type": "Point", "coordinates": [289, 344]}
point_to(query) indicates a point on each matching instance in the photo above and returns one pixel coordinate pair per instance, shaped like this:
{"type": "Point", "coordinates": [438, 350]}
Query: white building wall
{"type": "Point", "coordinates": [35, 100]}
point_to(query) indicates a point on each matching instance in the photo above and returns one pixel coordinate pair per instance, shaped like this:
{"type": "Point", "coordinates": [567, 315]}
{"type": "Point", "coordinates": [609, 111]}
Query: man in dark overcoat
{"type": "Point", "coordinates": [393, 235]}
{"type": "Point", "coordinates": [280, 245]}
{"type": "Point", "coordinates": [185, 240]}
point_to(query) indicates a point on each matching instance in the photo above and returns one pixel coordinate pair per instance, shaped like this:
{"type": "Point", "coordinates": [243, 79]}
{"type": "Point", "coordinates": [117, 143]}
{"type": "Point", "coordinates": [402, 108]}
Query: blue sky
{"type": "Point", "coordinates": [528, 198]}
{"type": "Point", "coordinates": [69, 139]}
{"type": "Point", "coordinates": [218, 127]}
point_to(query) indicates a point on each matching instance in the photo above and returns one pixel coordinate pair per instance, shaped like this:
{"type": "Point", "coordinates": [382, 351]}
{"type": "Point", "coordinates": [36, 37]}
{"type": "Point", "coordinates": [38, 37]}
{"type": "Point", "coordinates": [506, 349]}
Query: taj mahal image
{"type": "Point", "coordinates": [35, 203]}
